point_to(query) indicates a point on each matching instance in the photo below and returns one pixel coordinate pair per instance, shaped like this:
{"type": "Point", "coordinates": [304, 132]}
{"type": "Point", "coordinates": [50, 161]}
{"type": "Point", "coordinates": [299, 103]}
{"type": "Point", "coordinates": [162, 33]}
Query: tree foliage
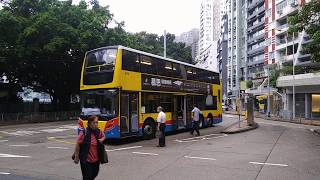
{"type": "Point", "coordinates": [308, 19]}
{"type": "Point", "coordinates": [43, 42]}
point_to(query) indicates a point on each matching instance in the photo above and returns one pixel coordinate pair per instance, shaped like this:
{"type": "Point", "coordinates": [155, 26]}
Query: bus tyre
{"type": "Point", "coordinates": [149, 130]}
{"type": "Point", "coordinates": [210, 120]}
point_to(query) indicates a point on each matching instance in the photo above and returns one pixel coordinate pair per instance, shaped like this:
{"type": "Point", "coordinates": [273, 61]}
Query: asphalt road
{"type": "Point", "coordinates": [273, 151]}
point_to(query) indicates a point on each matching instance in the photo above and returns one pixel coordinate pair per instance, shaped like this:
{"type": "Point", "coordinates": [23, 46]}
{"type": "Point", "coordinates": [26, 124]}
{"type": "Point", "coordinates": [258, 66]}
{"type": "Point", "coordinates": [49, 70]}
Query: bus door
{"type": "Point", "coordinates": [129, 121]}
{"type": "Point", "coordinates": [180, 112]}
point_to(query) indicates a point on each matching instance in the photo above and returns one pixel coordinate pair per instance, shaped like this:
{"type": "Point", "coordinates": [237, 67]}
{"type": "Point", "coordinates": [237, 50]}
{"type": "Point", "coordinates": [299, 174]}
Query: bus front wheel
{"type": "Point", "coordinates": [149, 129]}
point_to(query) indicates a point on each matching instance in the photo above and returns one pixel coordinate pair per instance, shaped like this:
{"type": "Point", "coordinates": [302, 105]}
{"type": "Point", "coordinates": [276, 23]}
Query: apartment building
{"type": "Point", "coordinates": [285, 49]}
{"type": "Point", "coordinates": [237, 48]}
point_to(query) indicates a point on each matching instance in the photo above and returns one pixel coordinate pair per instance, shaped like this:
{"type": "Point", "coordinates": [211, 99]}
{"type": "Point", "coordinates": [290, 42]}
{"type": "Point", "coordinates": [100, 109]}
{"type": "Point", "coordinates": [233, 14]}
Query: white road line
{"type": "Point", "coordinates": [19, 145]}
{"type": "Point", "coordinates": [201, 158]}
{"type": "Point", "coordinates": [228, 115]}
{"type": "Point", "coordinates": [3, 140]}
{"type": "Point", "coordinates": [58, 148]}
{"type": "Point", "coordinates": [143, 153]}
{"type": "Point", "coordinates": [200, 138]}
{"type": "Point", "coordinates": [269, 164]}
{"type": "Point", "coordinates": [4, 173]}
{"type": "Point", "coordinates": [12, 156]}
{"type": "Point", "coordinates": [126, 148]}
{"type": "Point", "coordinates": [54, 130]}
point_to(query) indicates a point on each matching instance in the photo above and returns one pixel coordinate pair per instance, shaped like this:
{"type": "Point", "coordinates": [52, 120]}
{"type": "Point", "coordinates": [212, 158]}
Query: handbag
{"type": "Point", "coordinates": [104, 155]}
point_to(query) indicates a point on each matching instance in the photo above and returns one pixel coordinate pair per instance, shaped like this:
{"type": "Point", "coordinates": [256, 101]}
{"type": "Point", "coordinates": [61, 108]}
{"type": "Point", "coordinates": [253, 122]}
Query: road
{"type": "Point", "coordinates": [275, 150]}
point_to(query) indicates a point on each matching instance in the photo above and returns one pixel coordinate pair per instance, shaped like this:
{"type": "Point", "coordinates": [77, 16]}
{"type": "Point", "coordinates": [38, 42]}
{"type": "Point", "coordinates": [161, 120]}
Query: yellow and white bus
{"type": "Point", "coordinates": [124, 86]}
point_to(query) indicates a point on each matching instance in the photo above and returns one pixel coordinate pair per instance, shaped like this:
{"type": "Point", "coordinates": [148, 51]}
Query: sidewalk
{"type": "Point", "coordinates": [272, 118]}
{"type": "Point", "coordinates": [235, 128]}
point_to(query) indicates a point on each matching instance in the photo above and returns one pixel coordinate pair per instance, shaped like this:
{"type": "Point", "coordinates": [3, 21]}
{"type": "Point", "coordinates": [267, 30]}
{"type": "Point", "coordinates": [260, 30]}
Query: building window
{"type": "Point", "coordinates": [271, 55]}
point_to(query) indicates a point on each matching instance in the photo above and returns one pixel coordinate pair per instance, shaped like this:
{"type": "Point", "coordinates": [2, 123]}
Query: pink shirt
{"type": "Point", "coordinates": [93, 153]}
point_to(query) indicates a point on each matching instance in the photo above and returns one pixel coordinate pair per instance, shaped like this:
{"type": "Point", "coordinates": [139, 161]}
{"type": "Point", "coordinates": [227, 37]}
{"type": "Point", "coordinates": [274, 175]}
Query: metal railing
{"type": "Point", "coordinates": [16, 118]}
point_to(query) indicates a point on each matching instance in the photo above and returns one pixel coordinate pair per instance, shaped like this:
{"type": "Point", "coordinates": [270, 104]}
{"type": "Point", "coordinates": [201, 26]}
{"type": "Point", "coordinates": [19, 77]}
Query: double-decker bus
{"type": "Point", "coordinates": [124, 87]}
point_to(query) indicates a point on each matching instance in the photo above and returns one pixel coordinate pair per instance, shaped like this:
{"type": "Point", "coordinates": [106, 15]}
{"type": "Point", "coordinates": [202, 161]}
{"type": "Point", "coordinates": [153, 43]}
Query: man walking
{"type": "Point", "coordinates": [161, 119]}
{"type": "Point", "coordinates": [196, 120]}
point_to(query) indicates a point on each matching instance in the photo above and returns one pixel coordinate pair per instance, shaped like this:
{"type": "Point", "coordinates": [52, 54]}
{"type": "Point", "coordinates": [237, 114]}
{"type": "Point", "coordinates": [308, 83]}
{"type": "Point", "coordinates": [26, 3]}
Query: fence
{"type": "Point", "coordinates": [17, 118]}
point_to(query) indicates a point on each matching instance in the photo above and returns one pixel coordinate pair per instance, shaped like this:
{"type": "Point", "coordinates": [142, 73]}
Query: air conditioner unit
{"type": "Point", "coordinates": [294, 3]}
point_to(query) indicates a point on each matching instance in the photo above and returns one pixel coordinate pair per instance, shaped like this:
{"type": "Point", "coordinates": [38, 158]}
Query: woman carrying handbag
{"type": "Point", "coordinates": [90, 150]}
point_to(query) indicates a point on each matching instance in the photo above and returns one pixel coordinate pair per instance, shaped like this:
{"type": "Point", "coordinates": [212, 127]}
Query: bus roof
{"type": "Point", "coordinates": [152, 55]}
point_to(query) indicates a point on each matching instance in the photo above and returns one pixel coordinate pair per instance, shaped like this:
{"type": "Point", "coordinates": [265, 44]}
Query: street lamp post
{"type": "Point", "coordinates": [268, 89]}
{"type": "Point", "coordinates": [165, 44]}
{"type": "Point", "coordinates": [293, 83]}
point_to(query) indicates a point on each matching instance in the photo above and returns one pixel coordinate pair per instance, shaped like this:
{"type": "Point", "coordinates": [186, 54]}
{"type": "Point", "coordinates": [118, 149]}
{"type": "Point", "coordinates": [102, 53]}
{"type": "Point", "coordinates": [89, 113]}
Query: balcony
{"type": "Point", "coordinates": [288, 10]}
{"type": "Point", "coordinates": [256, 62]}
{"type": "Point", "coordinates": [256, 50]}
{"type": "Point", "coordinates": [256, 14]}
{"type": "Point", "coordinates": [254, 26]}
{"type": "Point", "coordinates": [254, 4]}
{"type": "Point", "coordinates": [308, 79]}
{"type": "Point", "coordinates": [256, 39]}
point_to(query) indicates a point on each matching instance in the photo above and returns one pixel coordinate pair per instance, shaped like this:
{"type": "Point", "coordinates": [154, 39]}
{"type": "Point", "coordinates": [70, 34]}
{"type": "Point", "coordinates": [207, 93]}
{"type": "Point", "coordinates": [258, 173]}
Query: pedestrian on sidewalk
{"type": "Point", "coordinates": [89, 149]}
{"type": "Point", "coordinates": [196, 120]}
{"type": "Point", "coordinates": [161, 120]}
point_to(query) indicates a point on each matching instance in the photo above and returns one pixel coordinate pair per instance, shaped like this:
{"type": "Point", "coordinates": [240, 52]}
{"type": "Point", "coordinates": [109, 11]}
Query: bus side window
{"type": "Point", "coordinates": [130, 61]}
{"type": "Point", "coordinates": [183, 71]}
{"type": "Point", "coordinates": [148, 65]}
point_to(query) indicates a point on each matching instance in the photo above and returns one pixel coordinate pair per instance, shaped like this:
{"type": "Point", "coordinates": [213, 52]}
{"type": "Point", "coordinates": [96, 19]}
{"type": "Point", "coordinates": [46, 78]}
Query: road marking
{"type": "Point", "coordinates": [57, 140]}
{"type": "Point", "coordinates": [228, 115]}
{"type": "Point", "coordinates": [12, 156]}
{"type": "Point", "coordinates": [58, 148]}
{"type": "Point", "coordinates": [4, 173]}
{"type": "Point", "coordinates": [126, 148]}
{"type": "Point", "coordinates": [21, 133]}
{"type": "Point", "coordinates": [4, 140]}
{"type": "Point", "coordinates": [269, 164]}
{"type": "Point", "coordinates": [200, 138]}
{"type": "Point", "coordinates": [143, 153]}
{"type": "Point", "coordinates": [54, 130]}
{"type": "Point", "coordinates": [32, 131]}
{"type": "Point", "coordinates": [201, 158]}
{"type": "Point", "coordinates": [19, 145]}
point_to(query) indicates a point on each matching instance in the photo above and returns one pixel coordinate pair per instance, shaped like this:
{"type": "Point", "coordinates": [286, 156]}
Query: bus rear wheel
{"type": "Point", "coordinates": [149, 130]}
{"type": "Point", "coordinates": [210, 120]}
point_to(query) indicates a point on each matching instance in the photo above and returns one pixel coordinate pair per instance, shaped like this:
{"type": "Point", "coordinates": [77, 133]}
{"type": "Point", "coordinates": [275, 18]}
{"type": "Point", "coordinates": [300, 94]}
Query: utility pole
{"type": "Point", "coordinates": [165, 44]}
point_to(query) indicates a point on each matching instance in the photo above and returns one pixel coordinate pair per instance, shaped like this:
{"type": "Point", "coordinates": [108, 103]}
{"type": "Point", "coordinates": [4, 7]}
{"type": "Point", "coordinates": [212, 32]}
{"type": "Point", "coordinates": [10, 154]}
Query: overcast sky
{"type": "Point", "coordinates": [153, 16]}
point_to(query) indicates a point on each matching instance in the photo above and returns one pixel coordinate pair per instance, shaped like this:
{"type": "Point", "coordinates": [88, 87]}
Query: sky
{"type": "Point", "coordinates": [155, 16]}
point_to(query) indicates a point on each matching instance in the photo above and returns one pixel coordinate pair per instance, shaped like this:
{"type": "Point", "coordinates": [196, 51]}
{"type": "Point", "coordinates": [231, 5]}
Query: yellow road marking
{"type": "Point", "coordinates": [58, 140]}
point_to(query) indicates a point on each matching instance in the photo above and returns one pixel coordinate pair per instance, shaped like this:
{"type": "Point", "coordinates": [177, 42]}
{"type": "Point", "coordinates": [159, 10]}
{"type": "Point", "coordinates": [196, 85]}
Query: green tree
{"type": "Point", "coordinates": [249, 84]}
{"type": "Point", "coordinates": [308, 19]}
{"type": "Point", "coordinates": [43, 42]}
